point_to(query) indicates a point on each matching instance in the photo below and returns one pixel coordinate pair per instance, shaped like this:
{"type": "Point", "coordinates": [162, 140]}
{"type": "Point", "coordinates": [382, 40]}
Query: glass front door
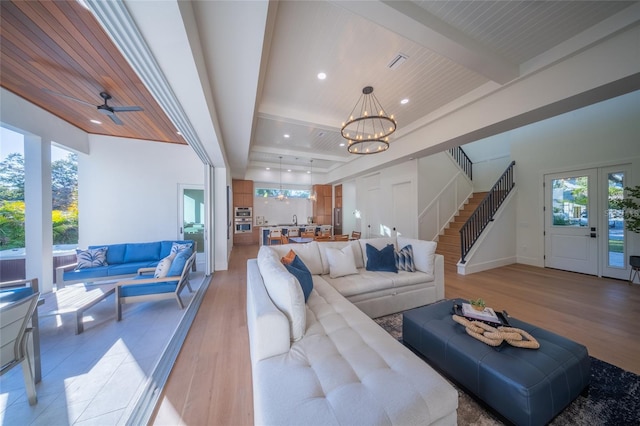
{"type": "Point", "coordinates": [583, 233]}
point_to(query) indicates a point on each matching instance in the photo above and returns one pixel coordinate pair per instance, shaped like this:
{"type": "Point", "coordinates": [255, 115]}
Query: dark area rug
{"type": "Point", "coordinates": [613, 398]}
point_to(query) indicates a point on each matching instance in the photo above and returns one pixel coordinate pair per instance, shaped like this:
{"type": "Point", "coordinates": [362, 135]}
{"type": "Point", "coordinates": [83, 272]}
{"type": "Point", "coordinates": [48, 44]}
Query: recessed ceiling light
{"type": "Point", "coordinates": [96, 121]}
{"type": "Point", "coordinates": [404, 101]}
{"type": "Point", "coordinates": [321, 76]}
{"type": "Point", "coordinates": [178, 133]}
{"type": "Point", "coordinates": [308, 172]}
{"type": "Point", "coordinates": [342, 144]}
{"type": "Point", "coordinates": [288, 170]}
{"type": "Point", "coordinates": [287, 135]}
{"type": "Point", "coordinates": [268, 168]}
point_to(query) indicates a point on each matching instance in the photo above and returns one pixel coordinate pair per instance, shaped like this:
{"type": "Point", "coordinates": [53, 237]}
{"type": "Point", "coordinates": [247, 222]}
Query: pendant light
{"type": "Point", "coordinates": [281, 196]}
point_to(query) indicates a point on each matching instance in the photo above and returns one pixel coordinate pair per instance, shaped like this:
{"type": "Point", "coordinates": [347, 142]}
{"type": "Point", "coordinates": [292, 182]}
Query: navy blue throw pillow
{"type": "Point", "coordinates": [298, 269]}
{"type": "Point", "coordinates": [381, 260]}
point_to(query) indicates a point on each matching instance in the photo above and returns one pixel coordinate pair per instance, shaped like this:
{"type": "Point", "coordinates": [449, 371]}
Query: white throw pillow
{"type": "Point", "coordinates": [284, 290]}
{"type": "Point", "coordinates": [341, 262]}
{"type": "Point", "coordinates": [423, 253]}
{"type": "Point", "coordinates": [164, 265]}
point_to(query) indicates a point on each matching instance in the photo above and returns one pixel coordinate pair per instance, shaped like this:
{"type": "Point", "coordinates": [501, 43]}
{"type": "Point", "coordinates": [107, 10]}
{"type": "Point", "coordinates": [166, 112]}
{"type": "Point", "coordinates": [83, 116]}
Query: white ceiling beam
{"type": "Point", "coordinates": [300, 154]}
{"type": "Point", "coordinates": [414, 23]}
{"type": "Point", "coordinates": [293, 167]}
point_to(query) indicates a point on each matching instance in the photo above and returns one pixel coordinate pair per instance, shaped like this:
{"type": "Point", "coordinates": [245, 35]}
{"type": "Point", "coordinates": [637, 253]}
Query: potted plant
{"type": "Point", "coordinates": [477, 304]}
{"type": "Point", "coordinates": [630, 205]}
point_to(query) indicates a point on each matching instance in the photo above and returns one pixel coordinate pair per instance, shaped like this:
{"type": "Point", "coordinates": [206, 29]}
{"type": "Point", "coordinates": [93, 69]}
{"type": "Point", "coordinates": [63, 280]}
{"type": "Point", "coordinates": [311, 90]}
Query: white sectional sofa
{"type": "Point", "coordinates": [326, 362]}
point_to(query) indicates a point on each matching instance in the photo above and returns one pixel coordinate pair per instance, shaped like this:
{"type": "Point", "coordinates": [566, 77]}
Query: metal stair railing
{"type": "Point", "coordinates": [483, 214]}
{"type": "Point", "coordinates": [463, 161]}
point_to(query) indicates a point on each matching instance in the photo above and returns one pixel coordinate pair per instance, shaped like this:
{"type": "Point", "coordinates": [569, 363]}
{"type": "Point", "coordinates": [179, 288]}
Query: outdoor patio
{"type": "Point", "coordinates": [95, 377]}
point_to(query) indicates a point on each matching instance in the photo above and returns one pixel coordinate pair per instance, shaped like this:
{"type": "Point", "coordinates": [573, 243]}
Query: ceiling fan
{"type": "Point", "coordinates": [105, 108]}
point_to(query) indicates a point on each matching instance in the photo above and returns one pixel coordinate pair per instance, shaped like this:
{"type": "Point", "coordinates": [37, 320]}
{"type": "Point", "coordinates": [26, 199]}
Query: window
{"type": "Point", "coordinates": [64, 188]}
{"type": "Point", "coordinates": [289, 193]}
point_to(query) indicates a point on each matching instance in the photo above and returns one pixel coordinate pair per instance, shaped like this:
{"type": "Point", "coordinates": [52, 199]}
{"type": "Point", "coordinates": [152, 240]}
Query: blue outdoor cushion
{"type": "Point", "coordinates": [178, 263]}
{"type": "Point", "coordinates": [115, 252]}
{"type": "Point", "coordinates": [14, 294]}
{"type": "Point", "coordinates": [81, 274]}
{"type": "Point", "coordinates": [140, 252]}
{"type": "Point", "coordinates": [165, 246]}
{"type": "Point", "coordinates": [144, 289]}
{"type": "Point", "coordinates": [381, 260]}
{"type": "Point", "coordinates": [128, 268]}
{"type": "Point", "coordinates": [298, 269]}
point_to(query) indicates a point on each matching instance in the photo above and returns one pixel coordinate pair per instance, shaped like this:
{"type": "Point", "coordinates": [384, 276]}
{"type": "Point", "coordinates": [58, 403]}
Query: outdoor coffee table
{"type": "Point", "coordinates": [75, 300]}
{"type": "Point", "coordinates": [526, 386]}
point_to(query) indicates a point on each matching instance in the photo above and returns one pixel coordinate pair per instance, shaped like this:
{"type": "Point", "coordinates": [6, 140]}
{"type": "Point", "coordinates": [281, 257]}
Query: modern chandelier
{"type": "Point", "coordinates": [281, 196]}
{"type": "Point", "coordinates": [368, 132]}
{"type": "Point", "coordinates": [313, 196]}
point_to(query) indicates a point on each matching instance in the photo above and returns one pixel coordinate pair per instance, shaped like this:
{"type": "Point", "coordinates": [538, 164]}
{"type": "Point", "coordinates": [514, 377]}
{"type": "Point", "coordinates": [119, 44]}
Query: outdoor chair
{"type": "Point", "coordinates": [145, 288]}
{"type": "Point", "coordinates": [14, 340]}
{"type": "Point", "coordinates": [12, 291]}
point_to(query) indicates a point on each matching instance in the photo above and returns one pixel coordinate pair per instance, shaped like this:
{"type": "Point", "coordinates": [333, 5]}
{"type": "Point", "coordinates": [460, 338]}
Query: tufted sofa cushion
{"type": "Point", "coordinates": [347, 370]}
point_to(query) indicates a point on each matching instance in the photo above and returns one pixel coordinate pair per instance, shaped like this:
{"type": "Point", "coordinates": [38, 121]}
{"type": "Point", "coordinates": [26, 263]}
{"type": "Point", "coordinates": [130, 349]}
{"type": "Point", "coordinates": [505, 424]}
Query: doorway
{"type": "Point", "coordinates": [191, 216]}
{"type": "Point", "coordinates": [582, 233]}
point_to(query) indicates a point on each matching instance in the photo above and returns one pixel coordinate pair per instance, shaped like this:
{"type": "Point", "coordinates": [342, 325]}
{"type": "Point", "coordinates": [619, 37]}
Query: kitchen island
{"type": "Point", "coordinates": [265, 230]}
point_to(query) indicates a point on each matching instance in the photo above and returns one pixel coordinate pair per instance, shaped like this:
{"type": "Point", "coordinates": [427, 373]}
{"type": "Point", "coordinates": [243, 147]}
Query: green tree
{"type": "Point", "coordinates": [64, 181]}
{"type": "Point", "coordinates": [12, 177]}
{"type": "Point", "coordinates": [11, 224]}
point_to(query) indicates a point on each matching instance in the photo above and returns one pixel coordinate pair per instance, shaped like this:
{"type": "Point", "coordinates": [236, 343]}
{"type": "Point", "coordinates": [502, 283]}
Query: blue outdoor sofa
{"type": "Point", "coordinates": [122, 260]}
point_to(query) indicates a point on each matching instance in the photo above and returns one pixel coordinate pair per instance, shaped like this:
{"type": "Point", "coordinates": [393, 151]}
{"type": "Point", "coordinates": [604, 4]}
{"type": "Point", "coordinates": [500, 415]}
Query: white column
{"type": "Point", "coordinates": [38, 202]}
{"type": "Point", "coordinates": [221, 219]}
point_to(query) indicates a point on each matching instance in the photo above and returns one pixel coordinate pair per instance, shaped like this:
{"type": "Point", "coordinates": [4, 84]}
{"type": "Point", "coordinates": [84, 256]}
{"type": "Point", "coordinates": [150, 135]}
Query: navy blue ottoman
{"type": "Point", "coordinates": [526, 386]}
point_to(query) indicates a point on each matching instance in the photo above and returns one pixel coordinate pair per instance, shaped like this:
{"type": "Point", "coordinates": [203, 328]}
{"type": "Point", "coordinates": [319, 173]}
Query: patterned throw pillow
{"type": "Point", "coordinates": [163, 266]}
{"type": "Point", "coordinates": [91, 258]}
{"type": "Point", "coordinates": [404, 259]}
{"type": "Point", "coordinates": [178, 247]}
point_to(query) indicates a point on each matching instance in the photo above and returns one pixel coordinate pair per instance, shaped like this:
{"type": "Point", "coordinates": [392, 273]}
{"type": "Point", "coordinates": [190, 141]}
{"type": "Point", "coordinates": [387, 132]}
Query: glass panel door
{"type": "Point", "coordinates": [571, 224]}
{"type": "Point", "coordinates": [615, 261]}
{"type": "Point", "coordinates": [192, 226]}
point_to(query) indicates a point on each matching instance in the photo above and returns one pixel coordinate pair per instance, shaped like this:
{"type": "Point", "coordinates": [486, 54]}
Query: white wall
{"type": "Point", "coordinates": [128, 189]}
{"type": "Point", "coordinates": [349, 221]}
{"type": "Point", "coordinates": [374, 199]}
{"type": "Point", "coordinates": [442, 189]}
{"type": "Point", "coordinates": [281, 212]}
{"type": "Point", "coordinates": [599, 135]}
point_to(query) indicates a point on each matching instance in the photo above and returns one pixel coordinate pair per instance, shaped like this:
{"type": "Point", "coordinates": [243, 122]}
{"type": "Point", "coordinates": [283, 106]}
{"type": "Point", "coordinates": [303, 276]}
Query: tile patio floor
{"type": "Point", "coordinates": [94, 378]}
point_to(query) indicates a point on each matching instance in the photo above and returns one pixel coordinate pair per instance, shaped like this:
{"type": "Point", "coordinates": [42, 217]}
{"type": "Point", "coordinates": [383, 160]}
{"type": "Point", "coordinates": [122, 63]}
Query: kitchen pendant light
{"type": "Point", "coordinates": [281, 196]}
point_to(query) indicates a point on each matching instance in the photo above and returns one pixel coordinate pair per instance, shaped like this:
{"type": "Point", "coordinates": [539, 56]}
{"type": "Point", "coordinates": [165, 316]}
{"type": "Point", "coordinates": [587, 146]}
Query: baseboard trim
{"type": "Point", "coordinates": [144, 407]}
{"type": "Point", "coordinates": [466, 268]}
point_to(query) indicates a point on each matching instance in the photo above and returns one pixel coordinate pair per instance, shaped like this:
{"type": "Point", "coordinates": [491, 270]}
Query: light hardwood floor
{"type": "Point", "coordinates": [211, 380]}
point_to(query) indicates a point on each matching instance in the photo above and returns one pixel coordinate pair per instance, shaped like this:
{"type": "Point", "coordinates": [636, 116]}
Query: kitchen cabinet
{"type": "Point", "coordinates": [243, 197]}
{"type": "Point", "coordinates": [323, 207]}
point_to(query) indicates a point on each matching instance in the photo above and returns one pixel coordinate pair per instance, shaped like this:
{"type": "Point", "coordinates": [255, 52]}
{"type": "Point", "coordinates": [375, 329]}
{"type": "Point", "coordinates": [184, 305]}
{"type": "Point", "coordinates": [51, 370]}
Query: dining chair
{"type": "Point", "coordinates": [344, 237]}
{"type": "Point", "coordinates": [323, 238]}
{"type": "Point", "coordinates": [15, 334]}
{"type": "Point", "coordinates": [356, 235]}
{"type": "Point", "coordinates": [308, 234]}
{"type": "Point", "coordinates": [293, 232]}
{"type": "Point", "coordinates": [275, 236]}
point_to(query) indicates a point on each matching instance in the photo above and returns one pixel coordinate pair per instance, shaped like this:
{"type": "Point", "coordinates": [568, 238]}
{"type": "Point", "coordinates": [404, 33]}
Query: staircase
{"type": "Point", "coordinates": [449, 242]}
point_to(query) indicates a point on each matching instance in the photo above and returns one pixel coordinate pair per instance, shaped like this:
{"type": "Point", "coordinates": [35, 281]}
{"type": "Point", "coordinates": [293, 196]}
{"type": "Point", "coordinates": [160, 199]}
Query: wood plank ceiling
{"type": "Point", "coordinates": [58, 46]}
